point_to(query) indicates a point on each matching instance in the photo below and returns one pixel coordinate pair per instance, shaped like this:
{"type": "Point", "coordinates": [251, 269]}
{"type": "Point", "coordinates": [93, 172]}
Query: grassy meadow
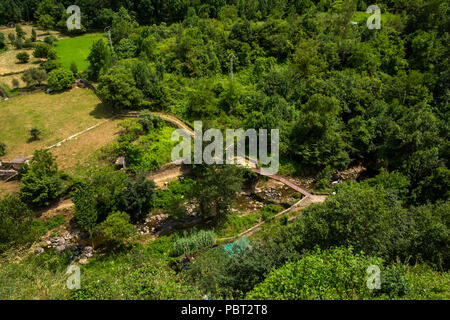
{"type": "Point", "coordinates": [76, 50]}
{"type": "Point", "coordinates": [57, 116]}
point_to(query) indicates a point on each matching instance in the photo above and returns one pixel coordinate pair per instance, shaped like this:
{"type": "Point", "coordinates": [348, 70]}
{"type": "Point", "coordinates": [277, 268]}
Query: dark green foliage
{"type": "Point", "coordinates": [99, 59]}
{"type": "Point", "coordinates": [148, 82]}
{"type": "Point", "coordinates": [2, 41]}
{"type": "Point", "coordinates": [33, 35]}
{"type": "Point", "coordinates": [138, 197]}
{"type": "Point", "coordinates": [15, 222]}
{"type": "Point", "coordinates": [34, 134]}
{"type": "Point", "coordinates": [116, 228]}
{"type": "Point", "coordinates": [44, 50]}
{"type": "Point", "coordinates": [19, 32]}
{"type": "Point", "coordinates": [118, 89]}
{"type": "Point", "coordinates": [23, 57]}
{"type": "Point", "coordinates": [125, 49]}
{"type": "Point", "coordinates": [60, 79]}
{"type": "Point", "coordinates": [33, 76]}
{"type": "Point", "coordinates": [220, 275]}
{"type": "Point", "coordinates": [41, 183]}
{"type": "Point", "coordinates": [2, 149]}
{"type": "Point", "coordinates": [337, 274]}
{"type": "Point", "coordinates": [371, 219]}
{"type": "Point", "coordinates": [85, 214]}
{"type": "Point", "coordinates": [393, 281]}
{"type": "Point", "coordinates": [150, 121]}
{"type": "Point", "coordinates": [74, 68]}
{"type": "Point", "coordinates": [216, 190]}
{"type": "Point", "coordinates": [103, 191]}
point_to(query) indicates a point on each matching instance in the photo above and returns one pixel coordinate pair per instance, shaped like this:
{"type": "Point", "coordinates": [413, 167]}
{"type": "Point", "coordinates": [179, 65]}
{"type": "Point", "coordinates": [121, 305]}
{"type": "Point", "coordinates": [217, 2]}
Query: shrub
{"type": "Point", "coordinates": [193, 242]}
{"type": "Point", "coordinates": [32, 76]}
{"type": "Point", "coordinates": [42, 50]}
{"type": "Point", "coordinates": [74, 68]}
{"type": "Point", "coordinates": [393, 281]}
{"type": "Point", "coordinates": [11, 37]}
{"type": "Point", "coordinates": [15, 83]}
{"type": "Point", "coordinates": [49, 40]}
{"type": "Point", "coordinates": [60, 79]}
{"type": "Point", "coordinates": [102, 190]}
{"type": "Point", "coordinates": [15, 222]}
{"type": "Point", "coordinates": [333, 274]}
{"type": "Point", "coordinates": [52, 65]}
{"type": "Point", "coordinates": [118, 88]}
{"type": "Point", "coordinates": [33, 35]}
{"type": "Point", "coordinates": [85, 208]}
{"type": "Point", "coordinates": [28, 44]}
{"type": "Point", "coordinates": [41, 183]}
{"type": "Point", "coordinates": [23, 57]}
{"type": "Point", "coordinates": [149, 121]}
{"type": "Point", "coordinates": [34, 134]}
{"type": "Point", "coordinates": [18, 43]}
{"type": "Point", "coordinates": [138, 197]}
{"type": "Point", "coordinates": [126, 49]}
{"type": "Point", "coordinates": [116, 228]}
{"type": "Point", "coordinates": [2, 149]}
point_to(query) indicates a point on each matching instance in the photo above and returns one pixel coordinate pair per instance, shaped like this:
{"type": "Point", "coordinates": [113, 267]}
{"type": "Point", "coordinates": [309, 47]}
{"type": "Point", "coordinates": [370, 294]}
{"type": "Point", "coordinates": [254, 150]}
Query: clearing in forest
{"type": "Point", "coordinates": [76, 50]}
{"type": "Point", "coordinates": [57, 116]}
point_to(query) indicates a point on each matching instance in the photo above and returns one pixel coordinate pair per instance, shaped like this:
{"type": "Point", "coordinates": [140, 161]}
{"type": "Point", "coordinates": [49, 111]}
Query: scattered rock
{"type": "Point", "coordinates": [38, 250]}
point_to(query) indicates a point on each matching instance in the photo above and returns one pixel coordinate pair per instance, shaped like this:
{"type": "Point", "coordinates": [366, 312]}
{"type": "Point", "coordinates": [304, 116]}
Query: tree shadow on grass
{"type": "Point", "coordinates": [101, 111]}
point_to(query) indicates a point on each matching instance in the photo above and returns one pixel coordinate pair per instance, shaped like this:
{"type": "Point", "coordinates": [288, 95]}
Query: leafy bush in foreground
{"type": "Point", "coordinates": [332, 274]}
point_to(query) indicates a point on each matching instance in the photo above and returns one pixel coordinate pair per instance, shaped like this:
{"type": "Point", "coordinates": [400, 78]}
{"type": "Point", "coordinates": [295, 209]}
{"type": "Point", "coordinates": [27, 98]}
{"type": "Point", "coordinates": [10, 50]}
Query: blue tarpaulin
{"type": "Point", "coordinates": [237, 246]}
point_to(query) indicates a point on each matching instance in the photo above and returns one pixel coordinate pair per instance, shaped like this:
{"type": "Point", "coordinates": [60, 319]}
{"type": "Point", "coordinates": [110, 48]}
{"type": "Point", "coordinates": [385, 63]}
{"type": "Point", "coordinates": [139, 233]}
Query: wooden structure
{"type": "Point", "coordinates": [10, 170]}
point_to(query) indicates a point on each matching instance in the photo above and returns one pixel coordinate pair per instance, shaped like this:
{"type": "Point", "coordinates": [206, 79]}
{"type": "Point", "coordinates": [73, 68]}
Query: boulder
{"type": "Point", "coordinates": [38, 250]}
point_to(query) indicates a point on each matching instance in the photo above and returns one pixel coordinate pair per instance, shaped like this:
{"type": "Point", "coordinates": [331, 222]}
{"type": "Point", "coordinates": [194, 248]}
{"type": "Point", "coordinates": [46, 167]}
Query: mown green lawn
{"type": "Point", "coordinates": [76, 49]}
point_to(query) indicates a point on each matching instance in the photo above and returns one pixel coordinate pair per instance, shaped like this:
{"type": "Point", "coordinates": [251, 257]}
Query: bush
{"type": "Point", "coordinates": [42, 50]}
{"type": "Point", "coordinates": [333, 223]}
{"type": "Point", "coordinates": [15, 222]}
{"type": "Point", "coordinates": [15, 83]}
{"type": "Point", "coordinates": [193, 242]}
{"type": "Point", "coordinates": [393, 281]}
{"type": "Point", "coordinates": [102, 190]}
{"type": "Point", "coordinates": [49, 40]}
{"type": "Point", "coordinates": [41, 183]}
{"type": "Point", "coordinates": [52, 65]}
{"type": "Point", "coordinates": [85, 208]}
{"type": "Point", "coordinates": [23, 57]}
{"type": "Point", "coordinates": [74, 68]}
{"type": "Point", "coordinates": [333, 274]}
{"type": "Point", "coordinates": [138, 197]}
{"type": "Point", "coordinates": [118, 89]}
{"type": "Point", "coordinates": [149, 121]}
{"type": "Point", "coordinates": [35, 75]}
{"type": "Point", "coordinates": [116, 228]}
{"type": "Point", "coordinates": [34, 134]}
{"type": "Point", "coordinates": [60, 79]}
{"type": "Point", "coordinates": [2, 149]}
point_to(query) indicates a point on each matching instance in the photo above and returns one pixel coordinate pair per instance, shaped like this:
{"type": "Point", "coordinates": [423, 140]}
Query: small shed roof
{"type": "Point", "coordinates": [19, 160]}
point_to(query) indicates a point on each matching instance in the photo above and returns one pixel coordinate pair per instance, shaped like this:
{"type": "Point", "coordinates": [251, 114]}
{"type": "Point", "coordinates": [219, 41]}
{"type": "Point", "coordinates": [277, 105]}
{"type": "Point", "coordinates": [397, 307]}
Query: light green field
{"type": "Point", "coordinates": [76, 49]}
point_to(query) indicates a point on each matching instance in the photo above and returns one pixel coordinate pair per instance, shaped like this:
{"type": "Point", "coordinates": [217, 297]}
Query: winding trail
{"type": "Point", "coordinates": [174, 173]}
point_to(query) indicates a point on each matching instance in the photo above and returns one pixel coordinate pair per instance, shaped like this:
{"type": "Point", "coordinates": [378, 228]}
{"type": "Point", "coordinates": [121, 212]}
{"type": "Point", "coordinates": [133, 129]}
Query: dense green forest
{"type": "Point", "coordinates": [341, 94]}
